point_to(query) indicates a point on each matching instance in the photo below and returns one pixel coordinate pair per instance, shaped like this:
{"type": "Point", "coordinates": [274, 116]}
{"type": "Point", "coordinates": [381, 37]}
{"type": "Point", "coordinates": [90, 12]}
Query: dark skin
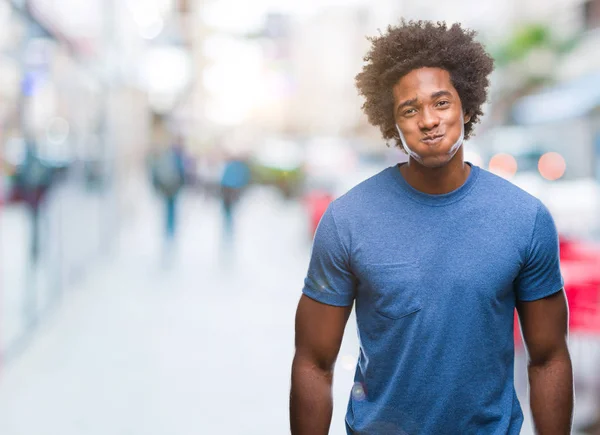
{"type": "Point", "coordinates": [544, 325]}
{"type": "Point", "coordinates": [319, 332]}
{"type": "Point", "coordinates": [426, 105]}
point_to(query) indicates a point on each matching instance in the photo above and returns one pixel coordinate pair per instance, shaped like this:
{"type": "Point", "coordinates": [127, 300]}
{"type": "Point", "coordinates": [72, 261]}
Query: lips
{"type": "Point", "coordinates": [432, 140]}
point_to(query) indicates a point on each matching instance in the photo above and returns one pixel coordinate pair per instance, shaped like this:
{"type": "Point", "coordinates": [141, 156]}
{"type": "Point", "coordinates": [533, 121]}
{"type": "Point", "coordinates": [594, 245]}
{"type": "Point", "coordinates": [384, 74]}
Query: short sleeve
{"type": "Point", "coordinates": [540, 276]}
{"type": "Point", "coordinates": [329, 279]}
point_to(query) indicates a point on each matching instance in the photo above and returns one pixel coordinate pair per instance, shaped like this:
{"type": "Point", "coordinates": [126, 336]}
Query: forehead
{"type": "Point", "coordinates": [423, 82]}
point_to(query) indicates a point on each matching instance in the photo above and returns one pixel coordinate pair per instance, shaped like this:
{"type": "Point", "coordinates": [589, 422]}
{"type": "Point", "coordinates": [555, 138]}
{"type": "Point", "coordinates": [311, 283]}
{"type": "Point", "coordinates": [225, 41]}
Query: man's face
{"type": "Point", "coordinates": [428, 111]}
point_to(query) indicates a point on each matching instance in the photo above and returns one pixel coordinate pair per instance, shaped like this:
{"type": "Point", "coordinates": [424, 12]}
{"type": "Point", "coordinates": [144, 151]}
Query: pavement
{"type": "Point", "coordinates": [202, 343]}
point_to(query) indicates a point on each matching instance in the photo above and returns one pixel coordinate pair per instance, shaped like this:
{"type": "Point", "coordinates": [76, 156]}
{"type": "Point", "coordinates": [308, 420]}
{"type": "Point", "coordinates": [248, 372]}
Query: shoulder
{"type": "Point", "coordinates": [519, 211]}
{"type": "Point", "coordinates": [508, 195]}
{"type": "Point", "coordinates": [362, 196]}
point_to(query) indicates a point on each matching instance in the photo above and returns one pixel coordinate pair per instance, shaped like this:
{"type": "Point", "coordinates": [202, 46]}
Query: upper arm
{"type": "Point", "coordinates": [328, 296]}
{"type": "Point", "coordinates": [544, 323]}
{"type": "Point", "coordinates": [319, 331]}
{"type": "Point", "coordinates": [330, 279]}
{"type": "Point", "coordinates": [541, 301]}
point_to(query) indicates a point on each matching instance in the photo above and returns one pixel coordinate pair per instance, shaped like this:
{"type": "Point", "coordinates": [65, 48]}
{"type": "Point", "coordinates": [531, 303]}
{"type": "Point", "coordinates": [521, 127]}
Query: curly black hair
{"type": "Point", "coordinates": [417, 44]}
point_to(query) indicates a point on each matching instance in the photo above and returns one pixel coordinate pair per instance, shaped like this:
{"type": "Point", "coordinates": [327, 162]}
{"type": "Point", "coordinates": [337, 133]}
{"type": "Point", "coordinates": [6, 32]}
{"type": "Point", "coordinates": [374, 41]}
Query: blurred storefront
{"type": "Point", "coordinates": [72, 103]}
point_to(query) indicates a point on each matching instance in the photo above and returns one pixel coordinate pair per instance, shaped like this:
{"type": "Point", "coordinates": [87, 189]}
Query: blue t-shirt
{"type": "Point", "coordinates": [434, 279]}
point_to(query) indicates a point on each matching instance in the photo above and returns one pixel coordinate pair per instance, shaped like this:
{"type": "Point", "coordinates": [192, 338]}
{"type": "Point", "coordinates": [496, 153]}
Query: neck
{"type": "Point", "coordinates": [437, 181]}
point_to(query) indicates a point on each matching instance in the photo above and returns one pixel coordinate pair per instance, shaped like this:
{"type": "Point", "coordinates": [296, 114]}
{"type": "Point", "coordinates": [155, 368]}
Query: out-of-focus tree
{"type": "Point", "coordinates": [528, 39]}
{"type": "Point", "coordinates": [526, 61]}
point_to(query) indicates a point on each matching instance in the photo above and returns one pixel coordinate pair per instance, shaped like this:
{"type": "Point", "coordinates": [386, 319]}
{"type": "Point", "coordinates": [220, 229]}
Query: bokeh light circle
{"type": "Point", "coordinates": [503, 164]}
{"type": "Point", "coordinates": [552, 166]}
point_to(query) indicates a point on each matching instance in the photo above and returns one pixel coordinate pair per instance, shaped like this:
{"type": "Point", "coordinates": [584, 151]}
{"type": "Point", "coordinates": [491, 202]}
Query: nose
{"type": "Point", "coordinates": [429, 119]}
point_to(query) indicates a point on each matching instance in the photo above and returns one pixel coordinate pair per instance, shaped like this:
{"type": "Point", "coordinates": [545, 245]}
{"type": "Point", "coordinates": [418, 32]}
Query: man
{"type": "Point", "coordinates": [435, 254]}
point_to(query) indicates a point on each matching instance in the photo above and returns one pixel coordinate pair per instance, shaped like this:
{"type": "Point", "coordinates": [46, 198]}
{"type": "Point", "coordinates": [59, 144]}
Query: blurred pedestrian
{"type": "Point", "coordinates": [234, 180]}
{"type": "Point", "coordinates": [33, 179]}
{"type": "Point", "coordinates": [436, 253]}
{"type": "Point", "coordinates": [168, 177]}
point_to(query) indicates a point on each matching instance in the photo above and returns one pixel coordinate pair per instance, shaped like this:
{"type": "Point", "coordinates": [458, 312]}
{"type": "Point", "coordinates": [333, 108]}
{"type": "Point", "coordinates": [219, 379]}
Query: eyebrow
{"type": "Point", "coordinates": [413, 101]}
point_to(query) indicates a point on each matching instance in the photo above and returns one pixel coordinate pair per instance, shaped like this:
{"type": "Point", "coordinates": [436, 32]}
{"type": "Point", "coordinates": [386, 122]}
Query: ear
{"type": "Point", "coordinates": [467, 117]}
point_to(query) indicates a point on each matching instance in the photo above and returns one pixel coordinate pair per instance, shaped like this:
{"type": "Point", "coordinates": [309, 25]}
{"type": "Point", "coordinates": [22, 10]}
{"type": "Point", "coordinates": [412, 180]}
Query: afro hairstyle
{"type": "Point", "coordinates": [418, 44]}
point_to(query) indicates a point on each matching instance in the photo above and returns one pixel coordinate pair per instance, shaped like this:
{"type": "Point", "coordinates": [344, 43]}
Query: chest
{"type": "Point", "coordinates": [400, 271]}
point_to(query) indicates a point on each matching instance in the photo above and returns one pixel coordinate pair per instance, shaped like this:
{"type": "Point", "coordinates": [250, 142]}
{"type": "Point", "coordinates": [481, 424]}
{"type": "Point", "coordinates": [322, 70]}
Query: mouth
{"type": "Point", "coordinates": [432, 140]}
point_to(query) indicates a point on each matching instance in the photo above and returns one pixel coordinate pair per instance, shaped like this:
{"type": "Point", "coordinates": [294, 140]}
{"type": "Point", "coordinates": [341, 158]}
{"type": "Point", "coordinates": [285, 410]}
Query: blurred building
{"type": "Point", "coordinates": [562, 114]}
{"type": "Point", "coordinates": [326, 54]}
{"type": "Point", "coordinates": [80, 83]}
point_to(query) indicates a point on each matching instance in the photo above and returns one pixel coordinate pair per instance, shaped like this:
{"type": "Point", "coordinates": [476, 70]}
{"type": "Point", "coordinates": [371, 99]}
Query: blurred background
{"type": "Point", "coordinates": [165, 164]}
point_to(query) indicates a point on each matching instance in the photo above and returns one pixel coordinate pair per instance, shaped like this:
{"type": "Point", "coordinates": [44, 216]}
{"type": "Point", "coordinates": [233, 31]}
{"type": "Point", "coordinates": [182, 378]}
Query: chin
{"type": "Point", "coordinates": [435, 162]}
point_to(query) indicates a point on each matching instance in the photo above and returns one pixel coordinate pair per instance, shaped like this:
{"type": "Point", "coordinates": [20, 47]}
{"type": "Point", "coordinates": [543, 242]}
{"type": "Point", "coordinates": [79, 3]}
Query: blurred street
{"type": "Point", "coordinates": [164, 165]}
{"type": "Point", "coordinates": [201, 346]}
